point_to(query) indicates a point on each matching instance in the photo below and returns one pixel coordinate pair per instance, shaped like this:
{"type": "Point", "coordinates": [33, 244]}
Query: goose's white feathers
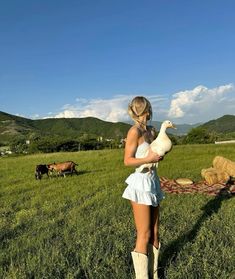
{"type": "Point", "coordinates": [161, 145]}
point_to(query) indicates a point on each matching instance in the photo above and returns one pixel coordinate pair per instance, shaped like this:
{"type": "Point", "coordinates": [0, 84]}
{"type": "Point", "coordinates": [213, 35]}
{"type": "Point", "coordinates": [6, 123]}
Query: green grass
{"type": "Point", "coordinates": [80, 227]}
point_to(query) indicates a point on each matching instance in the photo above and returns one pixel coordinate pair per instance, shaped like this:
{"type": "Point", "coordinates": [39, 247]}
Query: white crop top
{"type": "Point", "coordinates": [141, 149]}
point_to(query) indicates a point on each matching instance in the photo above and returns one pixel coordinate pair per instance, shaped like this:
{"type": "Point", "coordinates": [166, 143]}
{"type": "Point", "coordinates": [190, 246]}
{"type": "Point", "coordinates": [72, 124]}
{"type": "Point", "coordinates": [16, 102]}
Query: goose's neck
{"type": "Point", "coordinates": [162, 130]}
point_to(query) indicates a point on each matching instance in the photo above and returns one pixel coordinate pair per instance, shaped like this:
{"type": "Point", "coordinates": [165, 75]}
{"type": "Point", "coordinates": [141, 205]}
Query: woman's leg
{"type": "Point", "coordinates": [154, 239]}
{"type": "Point", "coordinates": [142, 217]}
{"type": "Point", "coordinates": [154, 245]}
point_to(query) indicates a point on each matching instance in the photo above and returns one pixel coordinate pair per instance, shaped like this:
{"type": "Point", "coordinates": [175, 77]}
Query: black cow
{"type": "Point", "coordinates": [40, 170]}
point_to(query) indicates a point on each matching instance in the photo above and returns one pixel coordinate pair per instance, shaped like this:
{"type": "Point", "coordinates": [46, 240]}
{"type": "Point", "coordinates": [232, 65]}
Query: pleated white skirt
{"type": "Point", "coordinates": [144, 188]}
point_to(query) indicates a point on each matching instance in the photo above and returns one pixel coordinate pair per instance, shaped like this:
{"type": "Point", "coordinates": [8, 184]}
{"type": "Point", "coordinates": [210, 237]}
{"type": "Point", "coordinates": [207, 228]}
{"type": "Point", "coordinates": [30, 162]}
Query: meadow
{"type": "Point", "coordinates": [81, 227]}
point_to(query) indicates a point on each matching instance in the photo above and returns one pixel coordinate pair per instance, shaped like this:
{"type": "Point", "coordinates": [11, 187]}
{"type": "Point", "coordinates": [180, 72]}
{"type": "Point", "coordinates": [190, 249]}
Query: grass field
{"type": "Point", "coordinates": [80, 227]}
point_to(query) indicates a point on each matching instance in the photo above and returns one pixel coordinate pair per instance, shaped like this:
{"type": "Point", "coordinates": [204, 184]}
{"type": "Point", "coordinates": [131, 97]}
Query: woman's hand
{"type": "Point", "coordinates": [153, 157]}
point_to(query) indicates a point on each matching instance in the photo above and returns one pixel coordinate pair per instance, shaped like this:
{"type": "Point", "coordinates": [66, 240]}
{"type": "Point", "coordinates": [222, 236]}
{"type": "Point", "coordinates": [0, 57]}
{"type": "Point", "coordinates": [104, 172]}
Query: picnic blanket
{"type": "Point", "coordinates": [171, 186]}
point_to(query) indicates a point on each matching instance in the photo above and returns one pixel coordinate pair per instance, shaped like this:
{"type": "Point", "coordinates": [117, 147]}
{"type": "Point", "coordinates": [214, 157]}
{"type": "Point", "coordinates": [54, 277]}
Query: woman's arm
{"type": "Point", "coordinates": [130, 150]}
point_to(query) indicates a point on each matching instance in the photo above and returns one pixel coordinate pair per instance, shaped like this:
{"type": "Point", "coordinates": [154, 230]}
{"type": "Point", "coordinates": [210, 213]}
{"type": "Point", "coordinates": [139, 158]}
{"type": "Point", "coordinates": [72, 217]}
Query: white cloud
{"type": "Point", "coordinates": [35, 116]}
{"type": "Point", "coordinates": [113, 110]}
{"type": "Point", "coordinates": [202, 103]}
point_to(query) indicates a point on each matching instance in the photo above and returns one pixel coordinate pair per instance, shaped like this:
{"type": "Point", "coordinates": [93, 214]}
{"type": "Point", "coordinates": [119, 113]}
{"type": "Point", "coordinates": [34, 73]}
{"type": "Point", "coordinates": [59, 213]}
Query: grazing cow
{"type": "Point", "coordinates": [63, 168]}
{"type": "Point", "coordinates": [40, 170]}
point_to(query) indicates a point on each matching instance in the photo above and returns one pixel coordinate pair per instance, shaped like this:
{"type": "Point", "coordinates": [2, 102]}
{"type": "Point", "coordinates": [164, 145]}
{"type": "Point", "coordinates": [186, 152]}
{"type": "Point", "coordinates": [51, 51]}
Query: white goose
{"type": "Point", "coordinates": [161, 145]}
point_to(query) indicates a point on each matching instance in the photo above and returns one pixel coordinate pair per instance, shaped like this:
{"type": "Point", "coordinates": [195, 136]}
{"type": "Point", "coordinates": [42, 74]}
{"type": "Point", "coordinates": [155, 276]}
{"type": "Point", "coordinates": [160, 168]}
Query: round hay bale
{"type": "Point", "coordinates": [210, 175]}
{"type": "Point", "coordinates": [213, 176]}
{"type": "Point", "coordinates": [224, 165]}
{"type": "Point", "coordinates": [184, 181]}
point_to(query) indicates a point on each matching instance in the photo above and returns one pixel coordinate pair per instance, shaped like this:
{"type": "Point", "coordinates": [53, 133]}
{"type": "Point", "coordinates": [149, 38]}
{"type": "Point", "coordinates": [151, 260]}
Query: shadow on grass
{"type": "Point", "coordinates": [172, 250]}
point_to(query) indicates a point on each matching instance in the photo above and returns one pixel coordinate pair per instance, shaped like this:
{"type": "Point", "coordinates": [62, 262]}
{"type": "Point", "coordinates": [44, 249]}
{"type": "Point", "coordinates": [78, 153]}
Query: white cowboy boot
{"type": "Point", "coordinates": [153, 253]}
{"type": "Point", "coordinates": [140, 262]}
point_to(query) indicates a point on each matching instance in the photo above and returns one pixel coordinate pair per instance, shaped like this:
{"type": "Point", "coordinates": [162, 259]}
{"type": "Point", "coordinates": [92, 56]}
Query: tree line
{"type": "Point", "coordinates": [46, 144]}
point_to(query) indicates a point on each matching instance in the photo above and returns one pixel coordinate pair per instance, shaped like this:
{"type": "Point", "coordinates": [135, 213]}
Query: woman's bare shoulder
{"type": "Point", "coordinates": [134, 131]}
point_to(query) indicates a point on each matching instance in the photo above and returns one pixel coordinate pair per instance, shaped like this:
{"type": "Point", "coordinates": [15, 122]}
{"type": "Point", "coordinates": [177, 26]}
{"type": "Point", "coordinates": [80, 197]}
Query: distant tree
{"type": "Point", "coordinates": [2, 143]}
{"type": "Point", "coordinates": [46, 144]}
{"type": "Point", "coordinates": [174, 139]}
{"type": "Point", "coordinates": [200, 135]}
{"type": "Point", "coordinates": [69, 145]}
{"type": "Point", "coordinates": [91, 144]}
{"type": "Point", "coordinates": [18, 145]}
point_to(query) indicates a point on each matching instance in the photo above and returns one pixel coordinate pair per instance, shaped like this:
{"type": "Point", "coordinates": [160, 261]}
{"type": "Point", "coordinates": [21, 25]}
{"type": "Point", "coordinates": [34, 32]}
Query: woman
{"type": "Point", "coordinates": [143, 190]}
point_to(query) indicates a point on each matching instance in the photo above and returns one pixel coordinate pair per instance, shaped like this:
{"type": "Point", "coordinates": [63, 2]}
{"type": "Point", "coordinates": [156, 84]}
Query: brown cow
{"type": "Point", "coordinates": [63, 168]}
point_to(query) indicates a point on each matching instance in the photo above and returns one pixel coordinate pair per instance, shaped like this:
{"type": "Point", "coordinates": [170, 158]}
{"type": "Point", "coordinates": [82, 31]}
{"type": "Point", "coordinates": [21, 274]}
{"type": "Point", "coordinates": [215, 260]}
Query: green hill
{"type": "Point", "coordinates": [79, 126]}
{"type": "Point", "coordinates": [224, 124]}
{"type": "Point", "coordinates": [13, 126]}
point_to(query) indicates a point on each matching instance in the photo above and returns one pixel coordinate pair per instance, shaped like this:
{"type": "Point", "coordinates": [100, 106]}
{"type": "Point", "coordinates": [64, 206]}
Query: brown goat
{"type": "Point", "coordinates": [63, 168]}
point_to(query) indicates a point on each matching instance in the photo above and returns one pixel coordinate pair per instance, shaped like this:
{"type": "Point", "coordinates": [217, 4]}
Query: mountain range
{"type": "Point", "coordinates": [13, 126]}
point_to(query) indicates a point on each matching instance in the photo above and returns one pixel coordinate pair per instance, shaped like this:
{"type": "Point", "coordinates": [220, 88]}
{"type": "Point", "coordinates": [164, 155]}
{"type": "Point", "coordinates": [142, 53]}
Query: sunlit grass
{"type": "Point", "coordinates": [80, 227]}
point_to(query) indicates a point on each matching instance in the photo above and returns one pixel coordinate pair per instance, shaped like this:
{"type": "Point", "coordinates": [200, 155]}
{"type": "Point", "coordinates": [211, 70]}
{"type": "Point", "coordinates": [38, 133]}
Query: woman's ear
{"type": "Point", "coordinates": [148, 116]}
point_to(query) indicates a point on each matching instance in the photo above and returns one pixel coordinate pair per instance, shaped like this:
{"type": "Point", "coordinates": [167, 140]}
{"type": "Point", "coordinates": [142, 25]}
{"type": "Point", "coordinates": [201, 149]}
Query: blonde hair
{"type": "Point", "coordinates": [139, 106]}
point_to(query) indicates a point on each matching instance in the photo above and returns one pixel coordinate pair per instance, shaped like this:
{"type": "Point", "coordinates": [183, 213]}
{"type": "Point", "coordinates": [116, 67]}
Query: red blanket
{"type": "Point", "coordinates": [171, 186]}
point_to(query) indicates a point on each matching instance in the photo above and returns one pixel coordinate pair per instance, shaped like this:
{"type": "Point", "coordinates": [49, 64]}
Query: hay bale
{"type": "Point", "coordinates": [224, 165]}
{"type": "Point", "coordinates": [223, 177]}
{"type": "Point", "coordinates": [209, 175]}
{"type": "Point", "coordinates": [213, 176]}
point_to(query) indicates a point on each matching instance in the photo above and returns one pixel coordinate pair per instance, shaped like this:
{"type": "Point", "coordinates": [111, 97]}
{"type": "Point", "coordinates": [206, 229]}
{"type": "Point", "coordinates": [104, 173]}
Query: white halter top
{"type": "Point", "coordinates": [141, 149]}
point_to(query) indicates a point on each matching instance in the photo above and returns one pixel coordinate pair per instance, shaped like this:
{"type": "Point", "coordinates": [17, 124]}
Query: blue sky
{"type": "Point", "coordinates": [90, 58]}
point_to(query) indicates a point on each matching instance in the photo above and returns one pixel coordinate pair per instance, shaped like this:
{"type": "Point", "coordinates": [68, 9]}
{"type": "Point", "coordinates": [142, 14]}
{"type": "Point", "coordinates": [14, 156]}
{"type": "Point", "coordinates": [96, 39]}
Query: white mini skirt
{"type": "Point", "coordinates": [144, 188]}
